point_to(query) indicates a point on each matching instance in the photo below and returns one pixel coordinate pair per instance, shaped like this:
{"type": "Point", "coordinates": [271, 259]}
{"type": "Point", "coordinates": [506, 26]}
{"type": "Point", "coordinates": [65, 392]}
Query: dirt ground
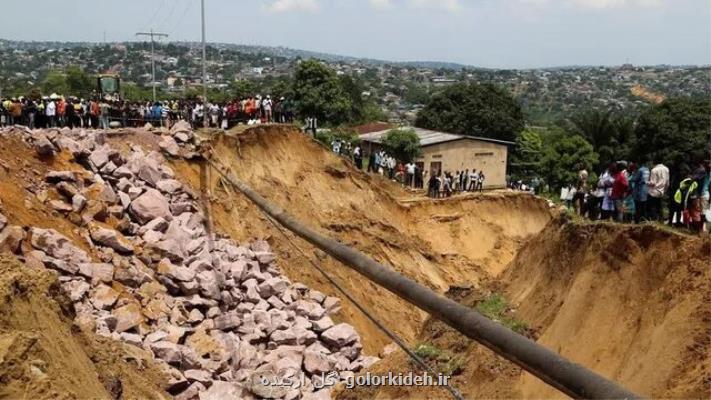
{"type": "Point", "coordinates": [44, 356]}
{"type": "Point", "coordinates": [632, 303]}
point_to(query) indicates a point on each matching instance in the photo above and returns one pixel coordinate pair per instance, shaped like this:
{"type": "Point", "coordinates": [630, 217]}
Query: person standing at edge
{"type": "Point", "coordinates": [620, 189]}
{"type": "Point", "coordinates": [410, 170]}
{"type": "Point", "coordinates": [658, 185]}
{"type": "Point", "coordinates": [640, 190]}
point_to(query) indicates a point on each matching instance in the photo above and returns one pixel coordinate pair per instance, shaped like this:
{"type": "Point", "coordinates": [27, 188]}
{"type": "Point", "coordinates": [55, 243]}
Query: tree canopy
{"type": "Point", "coordinates": [403, 144]}
{"type": "Point", "coordinates": [563, 156]}
{"type": "Point", "coordinates": [527, 155]}
{"type": "Point", "coordinates": [473, 109]}
{"type": "Point", "coordinates": [678, 128]}
{"type": "Point", "coordinates": [611, 135]}
{"type": "Point", "coordinates": [72, 81]}
{"type": "Point", "coordinates": [79, 82]}
{"type": "Point", "coordinates": [318, 93]}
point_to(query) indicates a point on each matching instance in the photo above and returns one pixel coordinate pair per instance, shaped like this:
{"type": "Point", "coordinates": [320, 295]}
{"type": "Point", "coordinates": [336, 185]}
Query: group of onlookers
{"type": "Point", "coordinates": [55, 111]}
{"type": "Point", "coordinates": [59, 111]}
{"type": "Point", "coordinates": [445, 184]}
{"type": "Point", "coordinates": [410, 174]}
{"type": "Point", "coordinates": [637, 191]}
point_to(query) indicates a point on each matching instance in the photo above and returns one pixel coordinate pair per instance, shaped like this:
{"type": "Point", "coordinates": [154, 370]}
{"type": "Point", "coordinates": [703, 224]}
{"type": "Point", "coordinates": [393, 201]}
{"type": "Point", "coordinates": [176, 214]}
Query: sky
{"type": "Point", "coordinates": [485, 33]}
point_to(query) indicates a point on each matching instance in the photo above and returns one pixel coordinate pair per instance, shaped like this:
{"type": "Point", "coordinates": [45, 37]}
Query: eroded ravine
{"type": "Point", "coordinates": [462, 241]}
{"type": "Point", "coordinates": [630, 303]}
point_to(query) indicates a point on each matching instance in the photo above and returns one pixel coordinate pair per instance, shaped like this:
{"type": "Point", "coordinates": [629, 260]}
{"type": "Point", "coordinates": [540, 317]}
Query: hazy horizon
{"type": "Point", "coordinates": [511, 34]}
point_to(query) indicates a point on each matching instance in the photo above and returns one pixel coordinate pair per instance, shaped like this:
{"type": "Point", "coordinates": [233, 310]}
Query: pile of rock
{"type": "Point", "coordinates": [179, 141]}
{"type": "Point", "coordinates": [216, 315]}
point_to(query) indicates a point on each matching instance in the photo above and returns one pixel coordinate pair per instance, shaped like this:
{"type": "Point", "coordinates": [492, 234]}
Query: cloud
{"type": "Point", "coordinates": [449, 5]}
{"type": "Point", "coordinates": [279, 6]}
{"type": "Point", "coordinates": [595, 4]}
{"type": "Point", "coordinates": [600, 4]}
{"type": "Point", "coordinates": [381, 4]}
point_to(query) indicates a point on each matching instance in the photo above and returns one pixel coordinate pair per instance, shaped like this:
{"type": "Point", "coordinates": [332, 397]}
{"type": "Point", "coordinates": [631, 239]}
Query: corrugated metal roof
{"type": "Point", "coordinates": [428, 137]}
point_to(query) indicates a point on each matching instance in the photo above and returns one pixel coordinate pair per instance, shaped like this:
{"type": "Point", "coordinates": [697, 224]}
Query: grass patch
{"type": "Point", "coordinates": [495, 307]}
{"type": "Point", "coordinates": [440, 360]}
{"type": "Point", "coordinates": [453, 366]}
{"type": "Point", "coordinates": [427, 351]}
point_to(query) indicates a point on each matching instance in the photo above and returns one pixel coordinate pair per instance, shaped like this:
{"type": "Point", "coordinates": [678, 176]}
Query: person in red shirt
{"type": "Point", "coordinates": [94, 111]}
{"type": "Point", "coordinates": [620, 190]}
{"type": "Point", "coordinates": [61, 112]}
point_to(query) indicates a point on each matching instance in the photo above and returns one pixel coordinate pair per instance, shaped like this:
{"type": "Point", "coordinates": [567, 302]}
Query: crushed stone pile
{"type": "Point", "coordinates": [219, 317]}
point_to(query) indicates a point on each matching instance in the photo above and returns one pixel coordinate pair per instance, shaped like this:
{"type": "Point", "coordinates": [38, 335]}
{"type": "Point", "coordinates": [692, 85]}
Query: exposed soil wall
{"type": "Point", "coordinates": [632, 303]}
{"type": "Point", "coordinates": [438, 243]}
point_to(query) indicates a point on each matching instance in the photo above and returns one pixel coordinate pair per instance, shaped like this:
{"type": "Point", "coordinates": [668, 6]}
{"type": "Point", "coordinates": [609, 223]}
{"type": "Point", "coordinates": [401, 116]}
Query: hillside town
{"type": "Point", "coordinates": [399, 89]}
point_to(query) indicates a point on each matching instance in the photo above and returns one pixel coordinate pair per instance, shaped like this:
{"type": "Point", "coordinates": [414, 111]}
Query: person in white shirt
{"type": "Point", "coordinates": [225, 123]}
{"type": "Point", "coordinates": [410, 170]}
{"type": "Point", "coordinates": [358, 157]}
{"type": "Point", "coordinates": [214, 114]}
{"type": "Point", "coordinates": [267, 106]}
{"type": "Point", "coordinates": [51, 113]}
{"type": "Point", "coordinates": [473, 180]}
{"type": "Point", "coordinates": [658, 185]}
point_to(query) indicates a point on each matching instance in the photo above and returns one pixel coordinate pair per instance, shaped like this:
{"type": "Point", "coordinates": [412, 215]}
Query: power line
{"type": "Point", "coordinates": [153, 56]}
{"type": "Point", "coordinates": [169, 14]}
{"type": "Point", "coordinates": [182, 16]}
{"type": "Point", "coordinates": [155, 14]}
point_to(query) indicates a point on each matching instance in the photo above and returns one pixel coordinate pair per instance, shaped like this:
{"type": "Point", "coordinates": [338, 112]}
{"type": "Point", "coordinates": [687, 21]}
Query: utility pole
{"type": "Point", "coordinates": [153, 56]}
{"type": "Point", "coordinates": [204, 66]}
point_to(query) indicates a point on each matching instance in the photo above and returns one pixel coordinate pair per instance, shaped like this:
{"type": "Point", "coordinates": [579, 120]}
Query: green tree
{"type": "Point", "coordinates": [55, 82]}
{"type": "Point", "coordinates": [527, 157]}
{"type": "Point", "coordinates": [415, 94]}
{"type": "Point", "coordinates": [363, 109]}
{"type": "Point", "coordinates": [133, 92]}
{"type": "Point", "coordinates": [318, 93]}
{"type": "Point", "coordinates": [610, 135]}
{"type": "Point", "coordinates": [563, 156]}
{"type": "Point", "coordinates": [473, 109]}
{"type": "Point", "coordinates": [326, 137]}
{"type": "Point", "coordinates": [403, 144]}
{"type": "Point", "coordinates": [676, 129]}
{"type": "Point", "coordinates": [79, 83]}
{"type": "Point", "coordinates": [242, 88]}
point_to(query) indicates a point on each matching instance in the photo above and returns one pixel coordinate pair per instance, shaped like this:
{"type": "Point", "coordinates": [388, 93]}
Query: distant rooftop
{"type": "Point", "coordinates": [373, 127]}
{"type": "Point", "coordinates": [429, 138]}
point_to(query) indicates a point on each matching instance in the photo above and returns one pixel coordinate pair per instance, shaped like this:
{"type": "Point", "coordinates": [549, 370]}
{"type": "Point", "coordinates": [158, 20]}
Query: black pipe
{"type": "Point", "coordinates": [570, 378]}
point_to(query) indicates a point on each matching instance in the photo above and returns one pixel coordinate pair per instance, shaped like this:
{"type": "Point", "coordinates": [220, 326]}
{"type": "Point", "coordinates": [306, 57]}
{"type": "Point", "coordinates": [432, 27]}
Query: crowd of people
{"type": "Point", "coordinates": [96, 112]}
{"type": "Point", "coordinates": [637, 191]}
{"type": "Point", "coordinates": [382, 163]}
{"type": "Point", "coordinates": [439, 184]}
{"type": "Point", "coordinates": [625, 191]}
{"type": "Point", "coordinates": [445, 184]}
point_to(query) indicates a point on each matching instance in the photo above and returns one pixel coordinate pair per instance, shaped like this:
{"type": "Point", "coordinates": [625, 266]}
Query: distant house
{"type": "Point", "coordinates": [447, 152]}
{"type": "Point", "coordinates": [443, 81]}
{"type": "Point", "coordinates": [372, 127]}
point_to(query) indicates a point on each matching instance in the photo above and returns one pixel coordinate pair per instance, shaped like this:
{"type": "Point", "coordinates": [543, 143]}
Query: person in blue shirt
{"type": "Point", "coordinates": [156, 112]}
{"type": "Point", "coordinates": [640, 190]}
